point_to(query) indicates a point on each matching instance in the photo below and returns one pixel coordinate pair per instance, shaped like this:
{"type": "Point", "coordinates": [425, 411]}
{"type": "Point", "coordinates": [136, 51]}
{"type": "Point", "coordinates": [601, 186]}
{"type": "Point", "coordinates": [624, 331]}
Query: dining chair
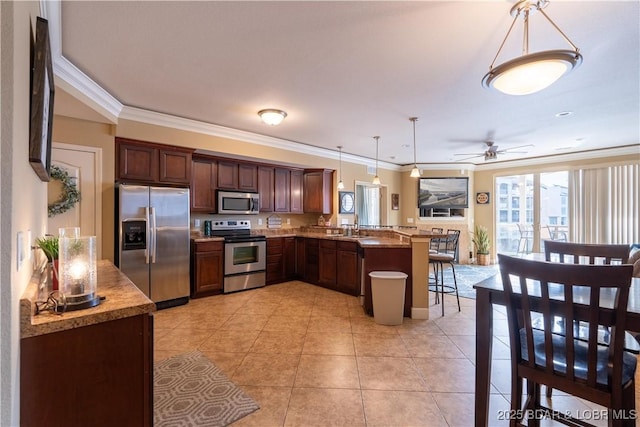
{"type": "Point", "coordinates": [585, 253]}
{"type": "Point", "coordinates": [526, 238]}
{"type": "Point", "coordinates": [583, 367]}
{"type": "Point", "coordinates": [446, 255]}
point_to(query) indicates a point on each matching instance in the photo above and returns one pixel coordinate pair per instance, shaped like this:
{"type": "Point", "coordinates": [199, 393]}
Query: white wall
{"type": "Point", "coordinates": [23, 204]}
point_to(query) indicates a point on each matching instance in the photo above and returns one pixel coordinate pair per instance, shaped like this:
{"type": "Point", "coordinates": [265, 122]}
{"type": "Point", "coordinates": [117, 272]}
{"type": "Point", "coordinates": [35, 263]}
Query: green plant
{"type": "Point", "coordinates": [49, 245]}
{"type": "Point", "coordinates": [481, 240]}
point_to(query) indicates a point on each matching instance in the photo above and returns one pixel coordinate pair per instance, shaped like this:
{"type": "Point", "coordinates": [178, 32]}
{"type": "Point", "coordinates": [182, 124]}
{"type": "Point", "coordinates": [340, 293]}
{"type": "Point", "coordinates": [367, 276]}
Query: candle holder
{"type": "Point", "coordinates": [78, 272]}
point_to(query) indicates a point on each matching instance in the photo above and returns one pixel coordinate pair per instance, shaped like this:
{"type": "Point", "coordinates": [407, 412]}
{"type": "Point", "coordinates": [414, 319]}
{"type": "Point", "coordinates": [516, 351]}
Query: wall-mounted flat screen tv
{"type": "Point", "coordinates": [444, 193]}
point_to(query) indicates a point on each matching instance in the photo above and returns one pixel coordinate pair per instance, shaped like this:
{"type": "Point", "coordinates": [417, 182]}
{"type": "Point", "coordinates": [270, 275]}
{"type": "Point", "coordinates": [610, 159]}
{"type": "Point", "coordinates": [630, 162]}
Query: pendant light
{"type": "Point", "coordinates": [340, 183]}
{"type": "Point", "coordinates": [415, 172]}
{"type": "Point", "coordinates": [533, 72]}
{"type": "Point", "coordinates": [376, 180]}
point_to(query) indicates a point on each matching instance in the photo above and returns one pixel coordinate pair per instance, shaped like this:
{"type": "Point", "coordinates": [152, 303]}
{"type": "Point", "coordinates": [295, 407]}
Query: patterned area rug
{"type": "Point", "coordinates": [467, 276]}
{"type": "Point", "coordinates": [189, 390]}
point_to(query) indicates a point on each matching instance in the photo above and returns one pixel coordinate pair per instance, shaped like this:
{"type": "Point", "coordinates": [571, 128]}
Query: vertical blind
{"type": "Point", "coordinates": [605, 203]}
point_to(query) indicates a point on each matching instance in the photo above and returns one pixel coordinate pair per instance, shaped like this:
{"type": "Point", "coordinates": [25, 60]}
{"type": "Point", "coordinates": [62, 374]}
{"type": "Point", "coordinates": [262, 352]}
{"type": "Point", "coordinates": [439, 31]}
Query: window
{"type": "Point", "coordinates": [515, 202]}
{"type": "Point", "coordinates": [504, 216]}
{"type": "Point", "coordinates": [515, 216]}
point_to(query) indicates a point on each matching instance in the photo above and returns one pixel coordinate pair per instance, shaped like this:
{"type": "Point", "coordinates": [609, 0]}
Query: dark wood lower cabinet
{"type": "Point", "coordinates": [207, 269]}
{"type": "Point", "coordinates": [328, 263]}
{"type": "Point", "coordinates": [97, 375]}
{"type": "Point", "coordinates": [275, 260]}
{"type": "Point", "coordinates": [312, 256]}
{"type": "Point", "coordinates": [348, 268]}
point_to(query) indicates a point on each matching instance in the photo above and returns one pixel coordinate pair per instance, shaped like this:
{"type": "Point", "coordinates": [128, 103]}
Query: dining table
{"type": "Point", "coordinates": [489, 293]}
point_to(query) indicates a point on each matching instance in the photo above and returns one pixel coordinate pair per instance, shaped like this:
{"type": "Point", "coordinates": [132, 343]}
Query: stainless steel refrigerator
{"type": "Point", "coordinates": [152, 231]}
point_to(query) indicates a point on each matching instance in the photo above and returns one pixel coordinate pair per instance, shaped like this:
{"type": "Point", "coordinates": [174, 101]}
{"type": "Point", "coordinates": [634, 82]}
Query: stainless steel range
{"type": "Point", "coordinates": [245, 255]}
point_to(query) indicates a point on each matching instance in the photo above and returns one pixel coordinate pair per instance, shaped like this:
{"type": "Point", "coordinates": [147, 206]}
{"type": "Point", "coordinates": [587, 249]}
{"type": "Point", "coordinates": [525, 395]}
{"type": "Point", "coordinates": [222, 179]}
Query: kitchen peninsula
{"type": "Point", "coordinates": [324, 257]}
{"type": "Point", "coordinates": [91, 366]}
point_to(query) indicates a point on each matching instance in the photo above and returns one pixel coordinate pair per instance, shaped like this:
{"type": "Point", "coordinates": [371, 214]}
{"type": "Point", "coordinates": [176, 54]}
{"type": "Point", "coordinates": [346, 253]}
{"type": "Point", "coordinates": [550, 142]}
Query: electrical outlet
{"type": "Point", "coordinates": [288, 221]}
{"type": "Point", "coordinates": [259, 221]}
{"type": "Point", "coordinates": [410, 220]}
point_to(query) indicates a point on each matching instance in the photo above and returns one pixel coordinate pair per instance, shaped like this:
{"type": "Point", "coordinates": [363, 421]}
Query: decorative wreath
{"type": "Point", "coordinates": [70, 194]}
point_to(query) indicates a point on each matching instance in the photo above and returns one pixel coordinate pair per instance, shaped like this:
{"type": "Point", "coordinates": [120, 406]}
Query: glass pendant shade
{"type": "Point", "coordinates": [415, 172]}
{"type": "Point", "coordinates": [376, 180]}
{"type": "Point", "coordinates": [531, 73]}
{"type": "Point", "coordinates": [340, 185]}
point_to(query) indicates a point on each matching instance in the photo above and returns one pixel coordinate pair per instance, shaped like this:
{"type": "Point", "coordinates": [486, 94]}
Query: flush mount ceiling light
{"type": "Point", "coordinates": [271, 116]}
{"type": "Point", "coordinates": [340, 183]}
{"type": "Point", "coordinates": [376, 180]}
{"type": "Point", "coordinates": [531, 72]}
{"type": "Point", "coordinates": [415, 172]}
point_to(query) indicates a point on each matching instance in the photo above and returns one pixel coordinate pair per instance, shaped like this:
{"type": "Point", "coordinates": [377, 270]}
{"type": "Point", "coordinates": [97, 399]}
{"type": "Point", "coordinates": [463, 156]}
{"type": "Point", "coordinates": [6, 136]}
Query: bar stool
{"type": "Point", "coordinates": [438, 260]}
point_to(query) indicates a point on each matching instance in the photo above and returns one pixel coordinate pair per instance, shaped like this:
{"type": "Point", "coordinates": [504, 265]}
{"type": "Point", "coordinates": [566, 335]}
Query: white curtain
{"type": "Point", "coordinates": [604, 204]}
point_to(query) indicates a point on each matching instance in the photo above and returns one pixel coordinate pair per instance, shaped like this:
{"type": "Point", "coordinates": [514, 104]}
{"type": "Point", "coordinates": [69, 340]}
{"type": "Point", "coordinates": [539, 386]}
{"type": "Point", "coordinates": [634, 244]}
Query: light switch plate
{"type": "Point", "coordinates": [259, 221]}
{"type": "Point", "coordinates": [410, 220]}
{"type": "Point", "coordinates": [19, 249]}
{"type": "Point", "coordinates": [288, 221]}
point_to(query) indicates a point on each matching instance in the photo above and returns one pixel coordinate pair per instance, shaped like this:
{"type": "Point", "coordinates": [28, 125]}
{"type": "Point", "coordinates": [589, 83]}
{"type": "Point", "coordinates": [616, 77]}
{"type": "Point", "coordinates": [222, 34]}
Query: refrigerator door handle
{"type": "Point", "coordinates": [154, 237]}
{"type": "Point", "coordinates": [148, 234]}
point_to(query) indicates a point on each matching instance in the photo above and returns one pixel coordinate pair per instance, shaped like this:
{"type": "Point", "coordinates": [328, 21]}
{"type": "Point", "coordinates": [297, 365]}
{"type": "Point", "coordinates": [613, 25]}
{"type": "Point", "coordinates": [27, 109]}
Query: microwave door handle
{"type": "Point", "coordinates": [147, 234]}
{"type": "Point", "coordinates": [253, 204]}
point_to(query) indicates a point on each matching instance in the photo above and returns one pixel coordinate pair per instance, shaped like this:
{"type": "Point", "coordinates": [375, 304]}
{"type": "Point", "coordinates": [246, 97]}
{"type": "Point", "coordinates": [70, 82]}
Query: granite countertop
{"type": "Point", "coordinates": [122, 299]}
{"type": "Point", "coordinates": [367, 237]}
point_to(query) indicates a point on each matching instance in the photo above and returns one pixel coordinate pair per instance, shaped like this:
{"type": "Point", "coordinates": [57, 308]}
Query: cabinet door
{"type": "Point", "coordinates": [289, 258]}
{"type": "Point", "coordinates": [348, 279]}
{"type": "Point", "coordinates": [136, 162]}
{"type": "Point", "coordinates": [296, 202]}
{"type": "Point", "coordinates": [247, 177]}
{"type": "Point", "coordinates": [204, 175]}
{"type": "Point", "coordinates": [312, 265]}
{"type": "Point", "coordinates": [208, 269]}
{"type": "Point", "coordinates": [275, 266]}
{"type": "Point", "coordinates": [328, 263]}
{"type": "Point", "coordinates": [318, 191]}
{"type": "Point", "coordinates": [175, 166]}
{"type": "Point", "coordinates": [282, 178]}
{"type": "Point", "coordinates": [265, 188]}
{"type": "Point", "coordinates": [227, 175]}
{"type": "Point", "coordinates": [301, 257]}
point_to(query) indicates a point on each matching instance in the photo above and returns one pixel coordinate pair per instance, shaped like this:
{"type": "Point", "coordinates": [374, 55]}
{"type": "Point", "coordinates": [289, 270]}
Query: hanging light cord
{"type": "Point", "coordinates": [414, 119]}
{"type": "Point", "coordinates": [376, 138]}
{"type": "Point", "coordinates": [525, 41]}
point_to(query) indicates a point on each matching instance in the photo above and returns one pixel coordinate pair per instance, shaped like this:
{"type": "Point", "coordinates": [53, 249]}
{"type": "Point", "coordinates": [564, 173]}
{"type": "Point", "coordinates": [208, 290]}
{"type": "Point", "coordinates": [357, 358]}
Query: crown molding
{"type": "Point", "coordinates": [166, 120]}
{"type": "Point", "coordinates": [68, 77]}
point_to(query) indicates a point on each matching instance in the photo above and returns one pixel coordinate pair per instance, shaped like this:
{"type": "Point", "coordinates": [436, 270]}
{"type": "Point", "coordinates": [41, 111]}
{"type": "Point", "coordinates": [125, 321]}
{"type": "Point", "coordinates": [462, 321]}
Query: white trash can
{"type": "Point", "coordinates": [387, 293]}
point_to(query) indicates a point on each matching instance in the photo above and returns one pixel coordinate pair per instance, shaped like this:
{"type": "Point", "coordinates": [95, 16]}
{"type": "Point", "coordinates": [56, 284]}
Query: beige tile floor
{"type": "Point", "coordinates": [312, 357]}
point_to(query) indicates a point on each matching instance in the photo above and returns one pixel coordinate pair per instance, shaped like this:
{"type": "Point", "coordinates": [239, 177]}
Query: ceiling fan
{"type": "Point", "coordinates": [491, 153]}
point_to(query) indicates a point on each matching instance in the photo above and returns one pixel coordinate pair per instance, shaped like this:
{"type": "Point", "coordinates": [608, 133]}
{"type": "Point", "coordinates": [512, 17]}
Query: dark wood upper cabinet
{"type": "Point", "coordinates": [204, 178]}
{"type": "Point", "coordinates": [282, 179]}
{"type": "Point", "coordinates": [175, 166]}
{"type": "Point", "coordinates": [318, 191]}
{"type": "Point", "coordinates": [247, 177]}
{"type": "Point", "coordinates": [265, 188]}
{"type": "Point", "coordinates": [237, 176]}
{"type": "Point", "coordinates": [296, 192]}
{"type": "Point", "coordinates": [139, 161]}
{"type": "Point", "coordinates": [227, 175]}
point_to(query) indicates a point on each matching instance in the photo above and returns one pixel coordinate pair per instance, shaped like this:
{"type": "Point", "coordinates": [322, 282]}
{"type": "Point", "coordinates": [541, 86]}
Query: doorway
{"type": "Point", "coordinates": [370, 204]}
{"type": "Point", "coordinates": [531, 208]}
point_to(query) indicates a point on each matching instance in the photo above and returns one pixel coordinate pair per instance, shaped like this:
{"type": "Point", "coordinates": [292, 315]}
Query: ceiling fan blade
{"type": "Point", "coordinates": [493, 149]}
{"type": "Point", "coordinates": [469, 154]}
{"type": "Point", "coordinates": [469, 158]}
{"type": "Point", "coordinates": [515, 148]}
{"type": "Point", "coordinates": [512, 152]}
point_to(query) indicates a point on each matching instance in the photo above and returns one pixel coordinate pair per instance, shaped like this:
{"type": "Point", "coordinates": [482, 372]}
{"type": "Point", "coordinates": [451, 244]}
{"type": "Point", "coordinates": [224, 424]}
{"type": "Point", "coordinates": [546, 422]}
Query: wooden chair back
{"type": "Point", "coordinates": [583, 253]}
{"type": "Point", "coordinates": [538, 288]}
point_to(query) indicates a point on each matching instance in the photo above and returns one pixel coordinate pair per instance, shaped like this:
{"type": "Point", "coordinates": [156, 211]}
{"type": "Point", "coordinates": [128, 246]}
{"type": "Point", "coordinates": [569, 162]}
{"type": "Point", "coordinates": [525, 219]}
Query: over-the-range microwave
{"type": "Point", "coordinates": [235, 203]}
